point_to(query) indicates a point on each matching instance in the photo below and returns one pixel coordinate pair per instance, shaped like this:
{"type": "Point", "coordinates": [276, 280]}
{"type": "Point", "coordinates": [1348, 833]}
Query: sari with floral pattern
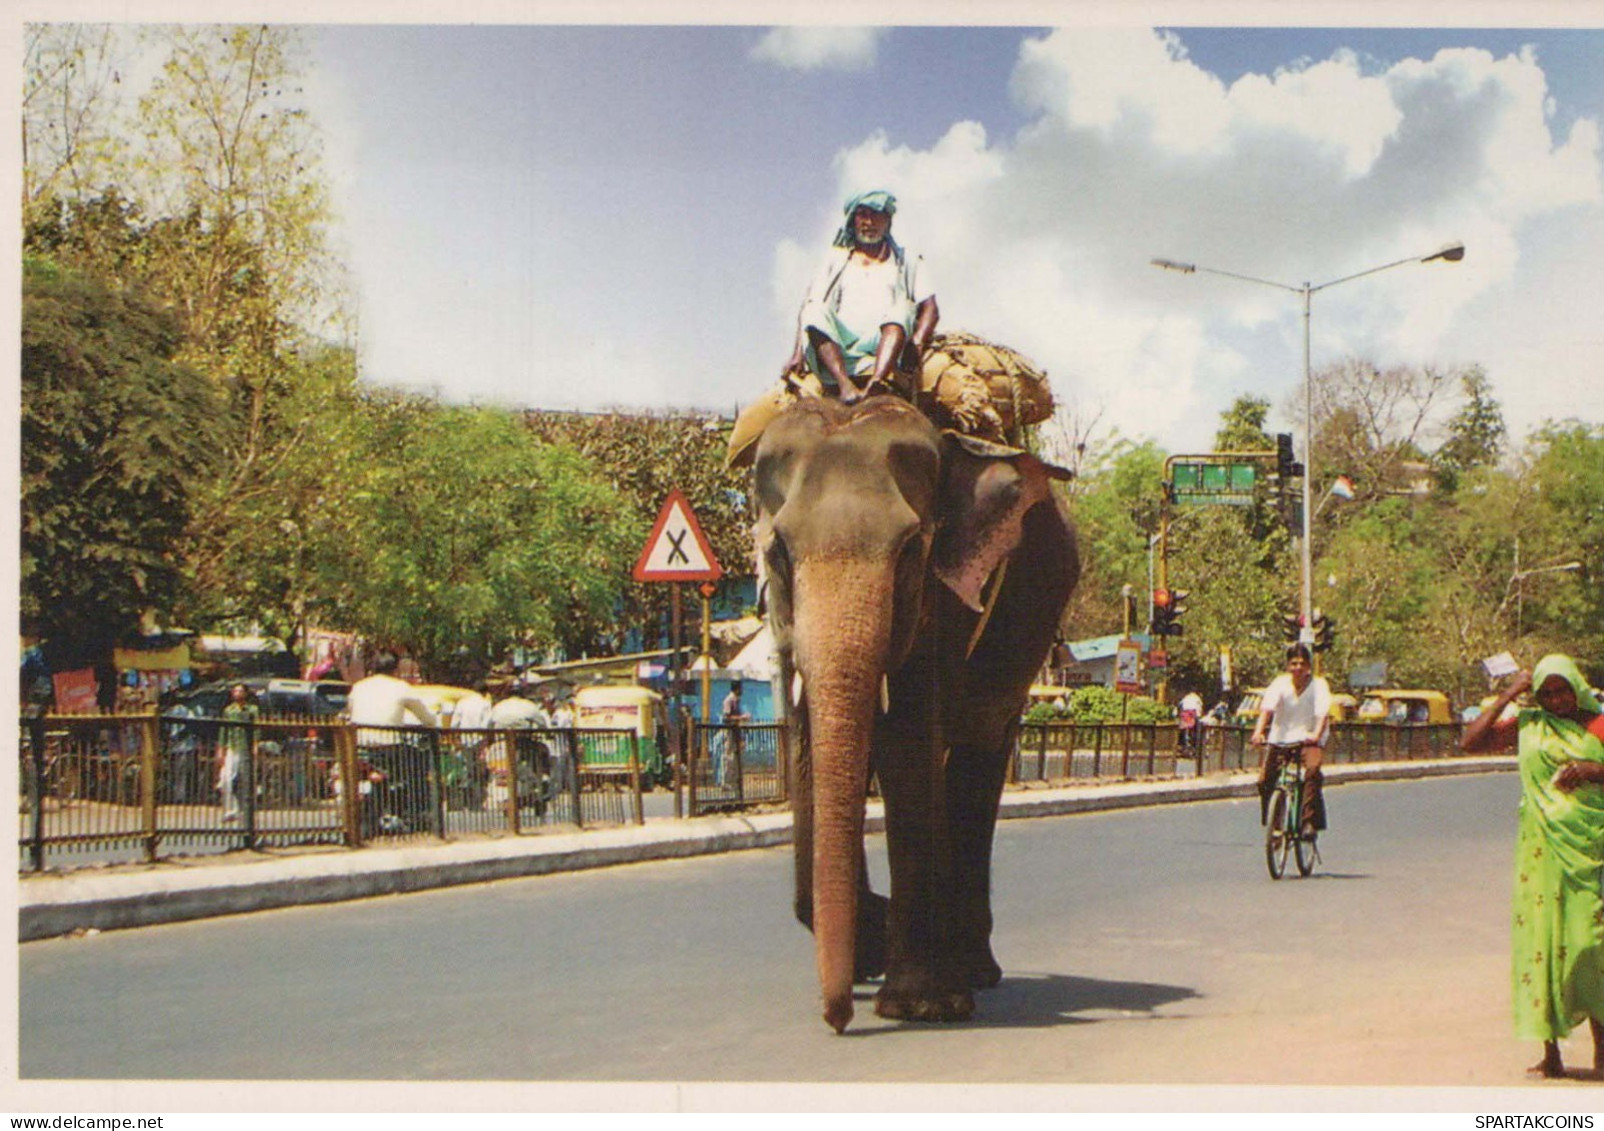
{"type": "Point", "coordinates": [1558, 916]}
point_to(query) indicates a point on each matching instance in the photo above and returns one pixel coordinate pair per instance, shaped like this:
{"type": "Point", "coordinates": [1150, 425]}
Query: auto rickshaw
{"type": "Point", "coordinates": [1411, 706]}
{"type": "Point", "coordinates": [616, 708]}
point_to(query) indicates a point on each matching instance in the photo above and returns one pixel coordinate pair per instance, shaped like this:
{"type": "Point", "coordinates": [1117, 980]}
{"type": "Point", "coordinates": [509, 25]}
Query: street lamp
{"type": "Point", "coordinates": [1451, 253]}
{"type": "Point", "coordinates": [1517, 588]}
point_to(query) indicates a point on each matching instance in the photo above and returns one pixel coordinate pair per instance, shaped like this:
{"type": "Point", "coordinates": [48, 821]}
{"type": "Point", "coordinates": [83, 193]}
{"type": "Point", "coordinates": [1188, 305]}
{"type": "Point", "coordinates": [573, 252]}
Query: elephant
{"type": "Point", "coordinates": [913, 582]}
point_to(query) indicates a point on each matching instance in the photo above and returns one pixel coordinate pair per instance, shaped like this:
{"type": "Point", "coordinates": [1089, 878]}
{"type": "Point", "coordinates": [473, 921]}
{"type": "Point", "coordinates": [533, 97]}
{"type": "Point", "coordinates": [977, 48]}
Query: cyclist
{"type": "Point", "coordinates": [1294, 717]}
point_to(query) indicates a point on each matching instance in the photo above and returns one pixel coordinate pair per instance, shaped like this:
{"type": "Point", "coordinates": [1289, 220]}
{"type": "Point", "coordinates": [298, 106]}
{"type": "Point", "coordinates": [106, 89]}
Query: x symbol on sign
{"type": "Point", "coordinates": [678, 552]}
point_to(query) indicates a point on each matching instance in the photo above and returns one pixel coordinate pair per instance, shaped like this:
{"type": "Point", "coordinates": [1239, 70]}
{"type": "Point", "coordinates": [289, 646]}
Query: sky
{"type": "Point", "coordinates": [592, 216]}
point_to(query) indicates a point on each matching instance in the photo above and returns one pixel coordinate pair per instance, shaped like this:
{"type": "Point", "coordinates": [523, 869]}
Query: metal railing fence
{"type": "Point", "coordinates": [736, 765]}
{"type": "Point", "coordinates": [1068, 751]}
{"type": "Point", "coordinates": [120, 788]}
{"type": "Point", "coordinates": [102, 789]}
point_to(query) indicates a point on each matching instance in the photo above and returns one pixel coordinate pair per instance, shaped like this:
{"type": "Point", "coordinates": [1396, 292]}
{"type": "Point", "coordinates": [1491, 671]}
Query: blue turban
{"type": "Point", "coordinates": [877, 199]}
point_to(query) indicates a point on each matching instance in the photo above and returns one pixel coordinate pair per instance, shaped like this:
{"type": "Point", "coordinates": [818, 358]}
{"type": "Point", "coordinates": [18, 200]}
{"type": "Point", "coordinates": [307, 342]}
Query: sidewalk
{"type": "Point", "coordinates": [194, 888]}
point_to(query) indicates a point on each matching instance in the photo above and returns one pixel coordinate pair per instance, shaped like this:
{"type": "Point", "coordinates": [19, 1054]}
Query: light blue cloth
{"type": "Point", "coordinates": [877, 199]}
{"type": "Point", "coordinates": [859, 344]}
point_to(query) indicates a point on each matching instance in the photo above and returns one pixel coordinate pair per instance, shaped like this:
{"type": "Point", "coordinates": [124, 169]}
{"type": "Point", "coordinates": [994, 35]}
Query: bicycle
{"type": "Point", "coordinates": [1283, 826]}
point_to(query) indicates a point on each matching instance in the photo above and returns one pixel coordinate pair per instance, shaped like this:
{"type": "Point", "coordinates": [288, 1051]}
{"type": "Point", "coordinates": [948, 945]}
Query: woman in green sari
{"type": "Point", "coordinates": [1558, 924]}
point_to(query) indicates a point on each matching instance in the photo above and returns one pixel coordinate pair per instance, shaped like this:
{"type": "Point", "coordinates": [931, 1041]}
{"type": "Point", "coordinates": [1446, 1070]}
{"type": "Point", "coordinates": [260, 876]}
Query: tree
{"type": "Point", "coordinates": [214, 206]}
{"type": "Point", "coordinates": [1376, 425]}
{"type": "Point", "coordinates": [1567, 480]}
{"type": "Point", "coordinates": [115, 435]}
{"type": "Point", "coordinates": [1387, 596]}
{"type": "Point", "coordinates": [276, 567]}
{"type": "Point", "coordinates": [1242, 426]}
{"type": "Point", "coordinates": [1237, 590]}
{"type": "Point", "coordinates": [70, 145]}
{"type": "Point", "coordinates": [1475, 434]}
{"type": "Point", "coordinates": [647, 455]}
{"type": "Point", "coordinates": [1116, 511]}
{"type": "Point", "coordinates": [463, 536]}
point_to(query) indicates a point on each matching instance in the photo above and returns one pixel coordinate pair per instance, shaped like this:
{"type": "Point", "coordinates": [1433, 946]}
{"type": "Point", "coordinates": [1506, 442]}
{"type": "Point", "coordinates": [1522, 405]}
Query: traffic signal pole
{"type": "Point", "coordinates": [1162, 571]}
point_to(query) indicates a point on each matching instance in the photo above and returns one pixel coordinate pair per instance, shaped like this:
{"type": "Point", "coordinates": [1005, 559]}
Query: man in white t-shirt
{"type": "Point", "coordinates": [871, 309]}
{"type": "Point", "coordinates": [1294, 718]}
{"type": "Point", "coordinates": [377, 706]}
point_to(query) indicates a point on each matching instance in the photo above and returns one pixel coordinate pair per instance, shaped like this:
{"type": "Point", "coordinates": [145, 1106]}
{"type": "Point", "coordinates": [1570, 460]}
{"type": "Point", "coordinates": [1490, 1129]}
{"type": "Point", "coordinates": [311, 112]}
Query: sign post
{"type": "Point", "coordinates": [677, 550]}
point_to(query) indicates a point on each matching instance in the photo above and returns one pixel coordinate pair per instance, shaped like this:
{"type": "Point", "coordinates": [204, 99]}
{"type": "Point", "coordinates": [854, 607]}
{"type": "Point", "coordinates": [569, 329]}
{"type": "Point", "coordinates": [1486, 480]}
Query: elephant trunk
{"type": "Point", "coordinates": [843, 628]}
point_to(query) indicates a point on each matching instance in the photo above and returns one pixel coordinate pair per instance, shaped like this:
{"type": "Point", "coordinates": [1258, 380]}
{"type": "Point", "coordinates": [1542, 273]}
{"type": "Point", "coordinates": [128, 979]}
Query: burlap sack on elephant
{"type": "Point", "coordinates": [755, 417]}
{"type": "Point", "coordinates": [966, 383]}
{"type": "Point", "coordinates": [989, 390]}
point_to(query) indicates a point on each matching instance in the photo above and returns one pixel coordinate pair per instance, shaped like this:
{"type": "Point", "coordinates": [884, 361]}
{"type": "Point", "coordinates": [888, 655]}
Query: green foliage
{"type": "Point", "coordinates": [1475, 434]}
{"type": "Point", "coordinates": [1238, 588]}
{"type": "Point", "coordinates": [1116, 511]}
{"type": "Point", "coordinates": [1242, 426]}
{"type": "Point", "coordinates": [1093, 704]}
{"type": "Point", "coordinates": [114, 437]}
{"type": "Point", "coordinates": [648, 455]}
{"type": "Point", "coordinates": [1099, 705]}
{"type": "Point", "coordinates": [463, 535]}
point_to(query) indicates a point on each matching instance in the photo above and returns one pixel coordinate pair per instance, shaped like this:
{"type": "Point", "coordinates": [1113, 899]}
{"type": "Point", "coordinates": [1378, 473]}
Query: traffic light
{"type": "Point", "coordinates": [1286, 467]}
{"type": "Point", "coordinates": [1325, 632]}
{"type": "Point", "coordinates": [1168, 605]}
{"type": "Point", "coordinates": [1292, 626]}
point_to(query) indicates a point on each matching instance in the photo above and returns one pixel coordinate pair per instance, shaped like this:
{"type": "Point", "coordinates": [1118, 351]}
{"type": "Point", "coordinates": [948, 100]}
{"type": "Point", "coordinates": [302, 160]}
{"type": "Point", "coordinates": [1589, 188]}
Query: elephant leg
{"type": "Point", "coordinates": [983, 718]}
{"type": "Point", "coordinates": [870, 947]}
{"type": "Point", "coordinates": [975, 775]}
{"type": "Point", "coordinates": [922, 981]}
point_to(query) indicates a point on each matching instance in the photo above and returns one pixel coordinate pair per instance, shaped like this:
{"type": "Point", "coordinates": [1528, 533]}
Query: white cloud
{"type": "Point", "coordinates": [1310, 174]}
{"type": "Point", "coordinates": [820, 48]}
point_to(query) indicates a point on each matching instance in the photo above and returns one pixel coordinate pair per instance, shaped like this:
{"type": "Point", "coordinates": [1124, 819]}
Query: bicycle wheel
{"type": "Point", "coordinates": [1276, 842]}
{"type": "Point", "coordinates": [1304, 847]}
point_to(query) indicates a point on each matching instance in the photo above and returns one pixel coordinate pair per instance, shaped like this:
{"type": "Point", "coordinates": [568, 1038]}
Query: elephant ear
{"type": "Point", "coordinates": [986, 489]}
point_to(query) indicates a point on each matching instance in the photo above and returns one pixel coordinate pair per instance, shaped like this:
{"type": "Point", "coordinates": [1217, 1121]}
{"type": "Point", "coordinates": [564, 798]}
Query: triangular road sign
{"type": "Point", "coordinates": [677, 549]}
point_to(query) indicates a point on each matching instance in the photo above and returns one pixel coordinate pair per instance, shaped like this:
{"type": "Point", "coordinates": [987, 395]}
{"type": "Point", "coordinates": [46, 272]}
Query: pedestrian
{"type": "Point", "coordinates": [183, 744]}
{"type": "Point", "coordinates": [1188, 717]}
{"type": "Point", "coordinates": [234, 743]}
{"type": "Point", "coordinates": [1557, 928]}
{"type": "Point", "coordinates": [562, 747]}
{"type": "Point", "coordinates": [732, 715]}
{"type": "Point", "coordinates": [471, 720]}
{"type": "Point", "coordinates": [378, 705]}
{"type": "Point", "coordinates": [871, 309]}
{"type": "Point", "coordinates": [530, 758]}
{"type": "Point", "coordinates": [1294, 719]}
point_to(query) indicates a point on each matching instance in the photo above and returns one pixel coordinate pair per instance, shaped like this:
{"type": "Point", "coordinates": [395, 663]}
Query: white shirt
{"type": "Point", "coordinates": [515, 711]}
{"type": "Point", "coordinates": [1295, 719]}
{"type": "Point", "coordinates": [384, 701]}
{"type": "Point", "coordinates": [473, 713]}
{"type": "Point", "coordinates": [871, 291]}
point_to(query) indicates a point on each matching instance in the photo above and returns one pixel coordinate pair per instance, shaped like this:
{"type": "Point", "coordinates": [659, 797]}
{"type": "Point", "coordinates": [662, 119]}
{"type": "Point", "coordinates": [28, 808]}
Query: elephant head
{"type": "Point", "coordinates": [867, 517]}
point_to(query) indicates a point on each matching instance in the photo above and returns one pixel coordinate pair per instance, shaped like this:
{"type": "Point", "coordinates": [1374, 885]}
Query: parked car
{"type": "Point", "coordinates": [316, 698]}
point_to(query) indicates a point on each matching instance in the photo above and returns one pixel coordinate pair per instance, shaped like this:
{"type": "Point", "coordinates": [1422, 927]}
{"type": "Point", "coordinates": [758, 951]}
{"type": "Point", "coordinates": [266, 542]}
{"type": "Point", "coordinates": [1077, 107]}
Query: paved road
{"type": "Point", "coordinates": [1141, 947]}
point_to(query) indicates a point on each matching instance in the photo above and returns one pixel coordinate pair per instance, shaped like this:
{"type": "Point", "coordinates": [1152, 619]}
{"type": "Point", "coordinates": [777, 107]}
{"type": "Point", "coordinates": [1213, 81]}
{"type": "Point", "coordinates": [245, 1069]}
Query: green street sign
{"type": "Point", "coordinates": [1227, 484]}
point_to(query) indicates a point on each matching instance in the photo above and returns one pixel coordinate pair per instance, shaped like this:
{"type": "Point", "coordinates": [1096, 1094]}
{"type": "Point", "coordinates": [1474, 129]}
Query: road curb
{"type": "Point", "coordinates": [53, 905]}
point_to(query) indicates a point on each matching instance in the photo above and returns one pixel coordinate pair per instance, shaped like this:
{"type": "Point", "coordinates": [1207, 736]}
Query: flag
{"type": "Point", "coordinates": [1343, 487]}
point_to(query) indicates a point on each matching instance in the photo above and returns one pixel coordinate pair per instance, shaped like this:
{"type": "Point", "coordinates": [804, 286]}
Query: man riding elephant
{"type": "Point", "coordinates": [871, 309]}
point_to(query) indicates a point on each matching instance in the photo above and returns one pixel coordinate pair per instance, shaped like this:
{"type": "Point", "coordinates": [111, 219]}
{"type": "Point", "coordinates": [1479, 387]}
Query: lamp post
{"type": "Point", "coordinates": [1452, 253]}
{"type": "Point", "coordinates": [1517, 588]}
